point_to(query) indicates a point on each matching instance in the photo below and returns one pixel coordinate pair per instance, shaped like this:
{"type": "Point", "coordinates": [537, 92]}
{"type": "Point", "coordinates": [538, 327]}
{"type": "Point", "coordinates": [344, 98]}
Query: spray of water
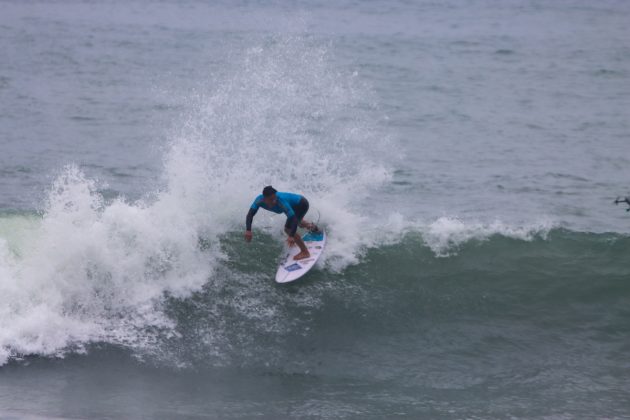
{"type": "Point", "coordinates": [287, 118]}
{"type": "Point", "coordinates": [91, 271]}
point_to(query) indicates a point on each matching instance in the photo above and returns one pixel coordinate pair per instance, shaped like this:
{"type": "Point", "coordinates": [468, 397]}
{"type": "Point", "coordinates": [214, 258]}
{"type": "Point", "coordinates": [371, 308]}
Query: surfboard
{"type": "Point", "coordinates": [290, 270]}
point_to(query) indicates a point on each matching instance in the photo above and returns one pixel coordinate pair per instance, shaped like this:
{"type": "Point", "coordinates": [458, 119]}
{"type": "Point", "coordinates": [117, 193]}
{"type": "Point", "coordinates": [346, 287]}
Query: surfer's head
{"type": "Point", "coordinates": [269, 195]}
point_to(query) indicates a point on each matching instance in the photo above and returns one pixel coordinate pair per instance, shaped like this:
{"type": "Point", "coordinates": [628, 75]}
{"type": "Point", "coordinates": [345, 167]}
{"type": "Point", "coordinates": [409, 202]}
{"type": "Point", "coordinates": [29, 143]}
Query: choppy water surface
{"type": "Point", "coordinates": [463, 157]}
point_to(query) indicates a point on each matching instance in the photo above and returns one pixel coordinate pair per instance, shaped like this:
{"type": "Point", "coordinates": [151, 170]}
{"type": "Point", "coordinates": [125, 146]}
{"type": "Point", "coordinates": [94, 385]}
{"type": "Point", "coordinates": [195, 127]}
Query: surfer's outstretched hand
{"type": "Point", "coordinates": [248, 235]}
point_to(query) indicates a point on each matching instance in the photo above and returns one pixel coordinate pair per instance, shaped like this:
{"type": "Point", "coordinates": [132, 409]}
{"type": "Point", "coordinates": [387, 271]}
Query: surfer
{"type": "Point", "coordinates": [294, 206]}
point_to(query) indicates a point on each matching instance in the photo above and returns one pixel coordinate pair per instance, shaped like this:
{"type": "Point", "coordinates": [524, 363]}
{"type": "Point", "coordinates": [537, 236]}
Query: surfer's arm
{"type": "Point", "coordinates": [248, 223]}
{"type": "Point", "coordinates": [250, 218]}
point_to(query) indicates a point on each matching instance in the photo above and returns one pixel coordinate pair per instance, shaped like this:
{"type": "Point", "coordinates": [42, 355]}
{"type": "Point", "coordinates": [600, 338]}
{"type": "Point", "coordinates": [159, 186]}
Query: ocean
{"type": "Point", "coordinates": [463, 156]}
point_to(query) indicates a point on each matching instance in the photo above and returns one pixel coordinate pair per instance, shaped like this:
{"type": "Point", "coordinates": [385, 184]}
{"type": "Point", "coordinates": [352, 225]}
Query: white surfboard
{"type": "Point", "coordinates": [290, 270]}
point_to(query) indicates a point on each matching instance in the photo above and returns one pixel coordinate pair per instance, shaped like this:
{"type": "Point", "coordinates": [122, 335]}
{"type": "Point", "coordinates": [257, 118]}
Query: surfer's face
{"type": "Point", "coordinates": [271, 200]}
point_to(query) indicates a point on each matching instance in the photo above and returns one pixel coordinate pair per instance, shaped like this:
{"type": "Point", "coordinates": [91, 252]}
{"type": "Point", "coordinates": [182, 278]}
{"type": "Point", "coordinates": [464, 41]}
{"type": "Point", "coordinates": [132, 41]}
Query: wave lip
{"type": "Point", "coordinates": [445, 235]}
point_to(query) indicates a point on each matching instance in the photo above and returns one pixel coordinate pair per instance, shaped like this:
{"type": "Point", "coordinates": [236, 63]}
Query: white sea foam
{"type": "Point", "coordinates": [446, 234]}
{"type": "Point", "coordinates": [92, 272]}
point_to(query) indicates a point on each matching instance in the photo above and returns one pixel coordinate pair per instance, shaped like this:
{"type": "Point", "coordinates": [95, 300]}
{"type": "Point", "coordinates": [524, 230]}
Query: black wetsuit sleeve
{"type": "Point", "coordinates": [250, 218]}
{"type": "Point", "coordinates": [293, 224]}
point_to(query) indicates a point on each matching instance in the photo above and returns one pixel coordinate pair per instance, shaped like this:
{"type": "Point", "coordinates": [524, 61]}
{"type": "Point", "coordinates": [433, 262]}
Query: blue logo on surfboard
{"type": "Point", "coordinates": [293, 267]}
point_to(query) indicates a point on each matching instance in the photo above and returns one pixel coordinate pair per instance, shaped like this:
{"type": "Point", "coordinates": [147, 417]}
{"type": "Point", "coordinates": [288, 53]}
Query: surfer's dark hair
{"type": "Point", "coordinates": [268, 191]}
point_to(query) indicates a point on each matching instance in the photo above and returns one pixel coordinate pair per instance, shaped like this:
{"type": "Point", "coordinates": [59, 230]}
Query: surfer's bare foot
{"type": "Point", "coordinates": [302, 255]}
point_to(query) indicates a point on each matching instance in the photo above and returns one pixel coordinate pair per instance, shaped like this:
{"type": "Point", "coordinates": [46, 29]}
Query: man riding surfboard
{"type": "Point", "coordinates": [294, 206]}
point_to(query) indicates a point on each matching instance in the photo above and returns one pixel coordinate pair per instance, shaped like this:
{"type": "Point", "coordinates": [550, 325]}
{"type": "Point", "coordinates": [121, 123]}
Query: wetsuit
{"type": "Point", "coordinates": [293, 205]}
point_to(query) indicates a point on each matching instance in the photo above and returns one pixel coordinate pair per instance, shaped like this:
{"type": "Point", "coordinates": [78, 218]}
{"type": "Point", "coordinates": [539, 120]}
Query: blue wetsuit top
{"type": "Point", "coordinates": [284, 204]}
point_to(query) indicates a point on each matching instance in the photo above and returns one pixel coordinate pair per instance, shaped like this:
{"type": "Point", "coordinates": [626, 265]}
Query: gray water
{"type": "Point", "coordinates": [464, 157]}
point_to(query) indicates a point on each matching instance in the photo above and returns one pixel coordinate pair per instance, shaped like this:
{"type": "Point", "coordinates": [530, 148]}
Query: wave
{"type": "Point", "coordinates": [124, 278]}
{"type": "Point", "coordinates": [169, 277]}
{"type": "Point", "coordinates": [446, 234]}
{"type": "Point", "coordinates": [539, 284]}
